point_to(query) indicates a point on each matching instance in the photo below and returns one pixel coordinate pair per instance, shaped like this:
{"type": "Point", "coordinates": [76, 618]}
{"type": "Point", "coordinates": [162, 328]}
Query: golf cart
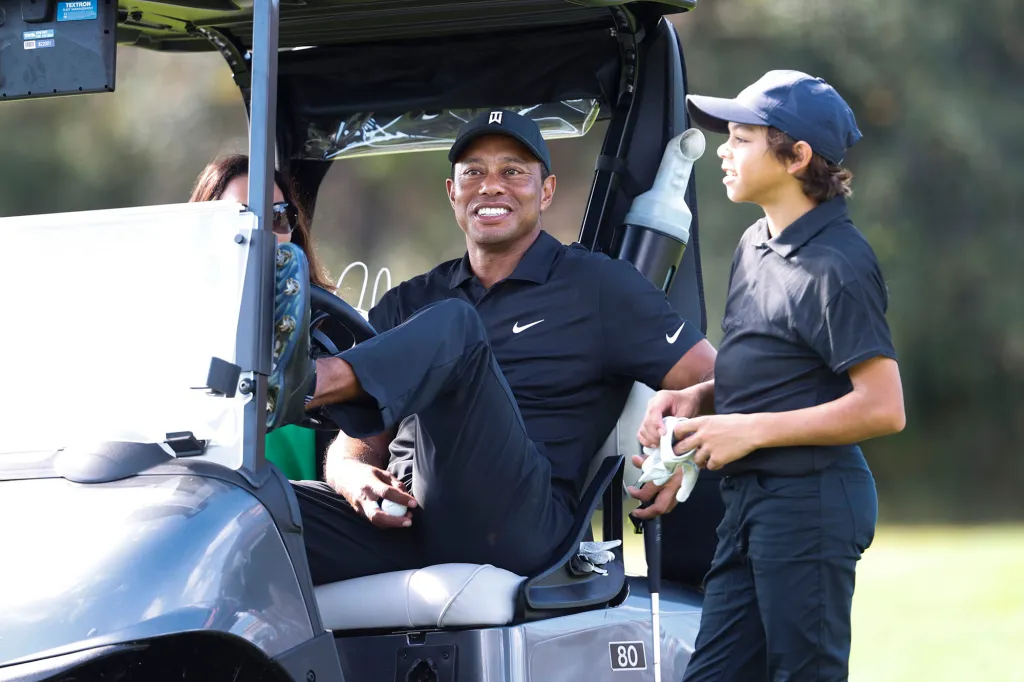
{"type": "Point", "coordinates": [145, 535]}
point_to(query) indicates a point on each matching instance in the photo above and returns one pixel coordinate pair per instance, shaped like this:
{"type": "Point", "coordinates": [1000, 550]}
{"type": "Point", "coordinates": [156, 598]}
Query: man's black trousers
{"type": "Point", "coordinates": [483, 488]}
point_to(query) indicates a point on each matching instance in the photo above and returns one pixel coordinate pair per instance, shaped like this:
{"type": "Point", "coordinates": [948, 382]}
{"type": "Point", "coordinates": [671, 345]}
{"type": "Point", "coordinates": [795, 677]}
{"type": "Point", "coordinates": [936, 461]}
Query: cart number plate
{"type": "Point", "coordinates": [628, 656]}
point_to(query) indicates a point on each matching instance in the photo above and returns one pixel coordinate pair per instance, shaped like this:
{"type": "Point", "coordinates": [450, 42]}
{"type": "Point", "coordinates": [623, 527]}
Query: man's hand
{"type": "Point", "coordinates": [664, 496]}
{"type": "Point", "coordinates": [363, 485]}
{"type": "Point", "coordinates": [685, 403]}
{"type": "Point", "coordinates": [719, 439]}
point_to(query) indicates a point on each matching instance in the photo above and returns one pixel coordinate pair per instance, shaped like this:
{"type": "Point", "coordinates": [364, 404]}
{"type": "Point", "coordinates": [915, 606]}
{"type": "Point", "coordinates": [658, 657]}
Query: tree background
{"type": "Point", "coordinates": [937, 87]}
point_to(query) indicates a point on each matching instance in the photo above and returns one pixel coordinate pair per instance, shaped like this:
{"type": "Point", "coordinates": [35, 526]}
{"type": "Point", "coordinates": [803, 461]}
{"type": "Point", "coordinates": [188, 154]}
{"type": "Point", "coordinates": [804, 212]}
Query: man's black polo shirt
{"type": "Point", "coordinates": [571, 330]}
{"type": "Point", "coordinates": [802, 309]}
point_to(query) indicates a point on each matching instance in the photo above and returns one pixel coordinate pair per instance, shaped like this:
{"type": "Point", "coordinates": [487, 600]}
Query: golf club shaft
{"type": "Point", "coordinates": [652, 550]}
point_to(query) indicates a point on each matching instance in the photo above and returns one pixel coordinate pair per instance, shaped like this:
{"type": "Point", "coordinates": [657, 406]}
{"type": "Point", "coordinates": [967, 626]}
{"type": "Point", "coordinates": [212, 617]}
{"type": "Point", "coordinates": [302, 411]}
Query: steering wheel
{"type": "Point", "coordinates": [334, 326]}
{"type": "Point", "coordinates": [353, 327]}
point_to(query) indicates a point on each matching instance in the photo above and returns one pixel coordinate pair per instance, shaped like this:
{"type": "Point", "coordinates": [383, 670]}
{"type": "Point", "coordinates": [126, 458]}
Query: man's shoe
{"type": "Point", "coordinates": [292, 368]}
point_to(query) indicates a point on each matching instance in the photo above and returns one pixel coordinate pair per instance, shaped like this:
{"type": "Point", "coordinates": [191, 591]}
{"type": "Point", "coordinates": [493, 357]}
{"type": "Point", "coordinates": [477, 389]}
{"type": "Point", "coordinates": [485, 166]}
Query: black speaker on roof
{"type": "Point", "coordinates": [51, 48]}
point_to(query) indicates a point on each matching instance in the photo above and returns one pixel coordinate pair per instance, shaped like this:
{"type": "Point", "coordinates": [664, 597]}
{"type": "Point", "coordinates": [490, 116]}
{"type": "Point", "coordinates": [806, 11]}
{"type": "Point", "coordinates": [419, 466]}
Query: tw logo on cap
{"type": "Point", "coordinates": [495, 117]}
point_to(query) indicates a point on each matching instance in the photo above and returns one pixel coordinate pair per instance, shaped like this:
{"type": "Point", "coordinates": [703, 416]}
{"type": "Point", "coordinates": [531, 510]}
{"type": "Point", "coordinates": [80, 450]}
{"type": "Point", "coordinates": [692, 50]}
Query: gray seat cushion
{"type": "Point", "coordinates": [457, 595]}
{"type": "Point", "coordinates": [445, 595]}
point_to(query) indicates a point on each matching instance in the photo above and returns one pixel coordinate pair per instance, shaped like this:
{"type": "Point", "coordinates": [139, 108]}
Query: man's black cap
{"type": "Point", "coordinates": [502, 122]}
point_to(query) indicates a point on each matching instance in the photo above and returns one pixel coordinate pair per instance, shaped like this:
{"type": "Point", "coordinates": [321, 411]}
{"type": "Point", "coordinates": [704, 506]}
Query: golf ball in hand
{"type": "Point", "coordinates": [392, 508]}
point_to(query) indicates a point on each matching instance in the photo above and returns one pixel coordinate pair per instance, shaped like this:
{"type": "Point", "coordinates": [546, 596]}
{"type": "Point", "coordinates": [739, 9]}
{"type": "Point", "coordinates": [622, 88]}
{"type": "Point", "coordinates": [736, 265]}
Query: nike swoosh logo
{"type": "Point", "coordinates": [673, 337]}
{"type": "Point", "coordinates": [516, 329]}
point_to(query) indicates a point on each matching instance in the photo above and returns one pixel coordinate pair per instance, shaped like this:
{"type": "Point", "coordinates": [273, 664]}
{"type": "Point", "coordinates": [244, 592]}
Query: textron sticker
{"type": "Point", "coordinates": [76, 10]}
{"type": "Point", "coordinates": [37, 35]}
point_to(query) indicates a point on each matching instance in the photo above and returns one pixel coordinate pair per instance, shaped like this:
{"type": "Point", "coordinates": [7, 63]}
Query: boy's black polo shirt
{"type": "Point", "coordinates": [571, 330]}
{"type": "Point", "coordinates": [802, 309]}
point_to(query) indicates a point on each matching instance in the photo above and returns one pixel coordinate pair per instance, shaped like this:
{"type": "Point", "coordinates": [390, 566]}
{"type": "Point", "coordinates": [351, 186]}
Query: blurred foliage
{"type": "Point", "coordinates": [936, 86]}
{"type": "Point", "coordinates": [937, 89]}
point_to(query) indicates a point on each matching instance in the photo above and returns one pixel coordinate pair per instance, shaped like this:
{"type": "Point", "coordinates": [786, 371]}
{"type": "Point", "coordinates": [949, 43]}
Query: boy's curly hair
{"type": "Point", "coordinates": [822, 180]}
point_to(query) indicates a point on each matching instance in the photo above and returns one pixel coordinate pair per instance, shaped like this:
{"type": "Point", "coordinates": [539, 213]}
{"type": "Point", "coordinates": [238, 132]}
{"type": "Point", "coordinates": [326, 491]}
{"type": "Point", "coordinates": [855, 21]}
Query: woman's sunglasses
{"type": "Point", "coordinates": [284, 218]}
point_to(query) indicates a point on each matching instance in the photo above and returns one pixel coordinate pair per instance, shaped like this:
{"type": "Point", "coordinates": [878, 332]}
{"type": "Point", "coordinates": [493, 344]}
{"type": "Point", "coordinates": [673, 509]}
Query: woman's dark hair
{"type": "Point", "coordinates": [215, 178]}
{"type": "Point", "coordinates": [821, 180]}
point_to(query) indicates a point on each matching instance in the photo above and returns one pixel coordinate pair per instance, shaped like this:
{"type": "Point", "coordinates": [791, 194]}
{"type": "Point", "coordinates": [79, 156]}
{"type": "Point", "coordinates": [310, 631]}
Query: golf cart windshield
{"type": "Point", "coordinates": [376, 133]}
{"type": "Point", "coordinates": [115, 321]}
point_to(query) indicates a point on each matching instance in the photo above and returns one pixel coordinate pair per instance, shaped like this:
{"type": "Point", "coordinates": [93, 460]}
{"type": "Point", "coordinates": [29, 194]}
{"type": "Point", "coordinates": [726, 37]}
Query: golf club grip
{"type": "Point", "coordinates": [652, 552]}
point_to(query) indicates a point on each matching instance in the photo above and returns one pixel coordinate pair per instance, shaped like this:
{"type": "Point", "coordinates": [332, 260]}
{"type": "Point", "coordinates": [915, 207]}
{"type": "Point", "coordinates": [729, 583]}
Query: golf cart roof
{"type": "Point", "coordinates": [179, 25]}
{"type": "Point", "coordinates": [362, 77]}
{"type": "Point", "coordinates": [367, 65]}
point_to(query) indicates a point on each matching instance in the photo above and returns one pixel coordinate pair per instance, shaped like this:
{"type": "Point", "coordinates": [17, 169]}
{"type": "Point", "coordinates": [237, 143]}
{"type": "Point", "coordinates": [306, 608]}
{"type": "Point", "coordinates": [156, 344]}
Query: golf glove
{"type": "Point", "coordinates": [662, 462]}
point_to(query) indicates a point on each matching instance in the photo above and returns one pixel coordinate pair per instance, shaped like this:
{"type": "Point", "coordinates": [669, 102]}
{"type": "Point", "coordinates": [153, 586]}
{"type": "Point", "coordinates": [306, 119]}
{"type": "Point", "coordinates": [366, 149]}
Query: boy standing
{"type": "Point", "coordinates": [805, 371]}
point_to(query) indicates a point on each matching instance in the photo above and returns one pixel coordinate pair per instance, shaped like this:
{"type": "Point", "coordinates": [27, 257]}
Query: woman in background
{"type": "Point", "coordinates": [292, 448]}
{"type": "Point", "coordinates": [227, 179]}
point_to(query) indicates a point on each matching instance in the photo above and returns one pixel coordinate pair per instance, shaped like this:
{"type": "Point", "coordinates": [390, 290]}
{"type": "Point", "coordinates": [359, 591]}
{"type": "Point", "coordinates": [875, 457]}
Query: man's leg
{"type": "Point", "coordinates": [807, 534]}
{"type": "Point", "coordinates": [484, 490]}
{"type": "Point", "coordinates": [730, 643]}
{"type": "Point", "coordinates": [341, 544]}
{"type": "Point", "coordinates": [482, 487]}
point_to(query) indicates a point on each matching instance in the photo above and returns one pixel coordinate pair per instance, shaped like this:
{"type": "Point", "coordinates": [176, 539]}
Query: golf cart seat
{"type": "Point", "coordinates": [472, 595]}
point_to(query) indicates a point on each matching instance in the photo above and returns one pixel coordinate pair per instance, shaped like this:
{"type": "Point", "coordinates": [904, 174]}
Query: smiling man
{"type": "Point", "coordinates": [493, 381]}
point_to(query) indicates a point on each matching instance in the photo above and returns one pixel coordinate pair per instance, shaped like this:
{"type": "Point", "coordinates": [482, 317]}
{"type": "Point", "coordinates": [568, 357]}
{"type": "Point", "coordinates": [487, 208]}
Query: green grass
{"type": "Point", "coordinates": [933, 604]}
{"type": "Point", "coordinates": [940, 604]}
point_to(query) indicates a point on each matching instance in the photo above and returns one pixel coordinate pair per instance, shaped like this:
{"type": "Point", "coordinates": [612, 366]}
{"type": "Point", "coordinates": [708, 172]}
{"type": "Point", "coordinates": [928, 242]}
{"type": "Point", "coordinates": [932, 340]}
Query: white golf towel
{"type": "Point", "coordinates": [662, 462]}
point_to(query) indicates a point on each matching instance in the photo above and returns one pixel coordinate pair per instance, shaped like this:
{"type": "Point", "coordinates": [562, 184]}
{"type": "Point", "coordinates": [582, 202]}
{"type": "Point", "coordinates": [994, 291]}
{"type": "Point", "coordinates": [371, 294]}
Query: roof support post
{"type": "Point", "coordinates": [254, 343]}
{"type": "Point", "coordinates": [595, 232]}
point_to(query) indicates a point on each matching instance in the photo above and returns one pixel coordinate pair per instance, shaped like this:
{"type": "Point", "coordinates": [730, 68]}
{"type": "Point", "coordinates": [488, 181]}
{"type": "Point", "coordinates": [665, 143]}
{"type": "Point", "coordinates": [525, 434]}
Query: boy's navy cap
{"type": "Point", "coordinates": [502, 122]}
{"type": "Point", "coordinates": [803, 107]}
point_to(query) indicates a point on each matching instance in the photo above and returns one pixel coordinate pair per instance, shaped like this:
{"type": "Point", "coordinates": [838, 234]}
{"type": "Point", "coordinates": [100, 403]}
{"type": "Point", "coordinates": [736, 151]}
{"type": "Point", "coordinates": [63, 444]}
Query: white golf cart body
{"type": "Point", "coordinates": [152, 539]}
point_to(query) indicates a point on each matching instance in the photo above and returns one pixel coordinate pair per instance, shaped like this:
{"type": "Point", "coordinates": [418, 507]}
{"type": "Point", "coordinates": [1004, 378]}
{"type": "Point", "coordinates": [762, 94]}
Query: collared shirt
{"type": "Point", "coordinates": [571, 330]}
{"type": "Point", "coordinates": [803, 308]}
